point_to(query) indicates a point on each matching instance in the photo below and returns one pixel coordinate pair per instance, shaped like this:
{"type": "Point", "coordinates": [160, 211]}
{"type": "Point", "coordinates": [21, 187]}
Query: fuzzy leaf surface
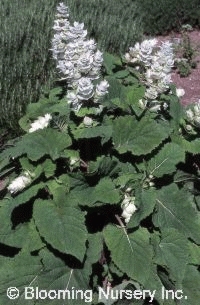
{"type": "Point", "coordinates": [44, 271]}
{"type": "Point", "coordinates": [39, 143]}
{"type": "Point", "coordinates": [103, 132]}
{"type": "Point", "coordinates": [63, 227]}
{"type": "Point", "coordinates": [191, 284]}
{"type": "Point", "coordinates": [165, 161]}
{"type": "Point", "coordinates": [172, 251]}
{"type": "Point", "coordinates": [140, 138]}
{"type": "Point", "coordinates": [103, 193]}
{"type": "Point", "coordinates": [174, 209]}
{"type": "Point", "coordinates": [133, 255]}
{"type": "Point", "coordinates": [21, 234]}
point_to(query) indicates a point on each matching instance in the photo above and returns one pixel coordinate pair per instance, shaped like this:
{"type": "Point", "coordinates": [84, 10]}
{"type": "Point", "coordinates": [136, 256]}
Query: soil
{"type": "Point", "coordinates": [191, 83]}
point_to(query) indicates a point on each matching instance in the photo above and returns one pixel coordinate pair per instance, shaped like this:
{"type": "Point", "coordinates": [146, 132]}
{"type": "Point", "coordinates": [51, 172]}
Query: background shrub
{"type": "Point", "coordinates": [161, 16]}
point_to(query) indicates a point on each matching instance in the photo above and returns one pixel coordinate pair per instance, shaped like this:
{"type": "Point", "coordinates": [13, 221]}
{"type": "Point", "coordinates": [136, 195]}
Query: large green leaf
{"type": "Point", "coordinates": [20, 235]}
{"type": "Point", "coordinates": [110, 61]}
{"type": "Point", "coordinates": [26, 195]}
{"type": "Point", "coordinates": [38, 144]}
{"type": "Point", "coordinates": [133, 96]}
{"type": "Point", "coordinates": [56, 275]}
{"type": "Point", "coordinates": [176, 111]}
{"type": "Point", "coordinates": [121, 74]}
{"type": "Point", "coordinates": [103, 193]}
{"type": "Point", "coordinates": [194, 254]}
{"type": "Point", "coordinates": [191, 284]}
{"type": "Point", "coordinates": [165, 161]}
{"type": "Point", "coordinates": [145, 206]}
{"type": "Point", "coordinates": [103, 132]}
{"type": "Point", "coordinates": [189, 146]}
{"type": "Point", "coordinates": [132, 253]}
{"type": "Point", "coordinates": [49, 168]}
{"type": "Point", "coordinates": [105, 166]}
{"type": "Point", "coordinates": [172, 252]}
{"type": "Point", "coordinates": [63, 227]}
{"type": "Point", "coordinates": [174, 209]}
{"type": "Point", "coordinates": [154, 283]}
{"type": "Point", "coordinates": [19, 272]}
{"type": "Point", "coordinates": [45, 272]}
{"type": "Point", "coordinates": [138, 137]}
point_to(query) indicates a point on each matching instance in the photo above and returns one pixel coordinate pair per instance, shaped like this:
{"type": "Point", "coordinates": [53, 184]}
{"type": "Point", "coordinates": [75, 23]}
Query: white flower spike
{"type": "Point", "coordinates": [78, 60]}
{"type": "Point", "coordinates": [157, 63]}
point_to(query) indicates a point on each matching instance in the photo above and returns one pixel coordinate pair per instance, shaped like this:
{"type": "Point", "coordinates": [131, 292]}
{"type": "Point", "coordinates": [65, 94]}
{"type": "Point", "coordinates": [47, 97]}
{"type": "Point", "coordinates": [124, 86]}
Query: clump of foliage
{"type": "Point", "coordinates": [102, 189]}
{"type": "Point", "coordinates": [161, 16]}
{"type": "Point", "coordinates": [185, 61]}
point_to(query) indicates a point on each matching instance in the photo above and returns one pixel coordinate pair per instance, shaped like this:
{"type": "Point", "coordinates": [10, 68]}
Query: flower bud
{"type": "Point", "coordinates": [197, 109]}
{"type": "Point", "coordinates": [87, 121]}
{"type": "Point", "coordinates": [180, 92]}
{"type": "Point", "coordinates": [190, 114]}
{"type": "Point", "coordinates": [130, 209]}
{"type": "Point", "coordinates": [125, 214]}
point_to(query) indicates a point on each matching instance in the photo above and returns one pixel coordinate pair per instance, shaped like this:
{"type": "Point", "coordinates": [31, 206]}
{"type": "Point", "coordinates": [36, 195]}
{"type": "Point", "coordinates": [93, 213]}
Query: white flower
{"type": "Point", "coordinates": [180, 92]}
{"type": "Point", "coordinates": [165, 105]}
{"type": "Point", "coordinates": [67, 68]}
{"type": "Point", "coordinates": [101, 89]}
{"type": "Point", "coordinates": [151, 93]}
{"type": "Point", "coordinates": [197, 109]}
{"type": "Point", "coordinates": [98, 59]}
{"type": "Point", "coordinates": [127, 56]}
{"type": "Point", "coordinates": [87, 121]}
{"type": "Point", "coordinates": [197, 120]}
{"type": "Point", "coordinates": [90, 45]}
{"type": "Point", "coordinates": [128, 207]}
{"type": "Point", "coordinates": [72, 98]}
{"type": "Point", "coordinates": [125, 214]}
{"type": "Point", "coordinates": [85, 89]}
{"type": "Point", "coordinates": [19, 183]}
{"type": "Point", "coordinates": [77, 30]}
{"type": "Point", "coordinates": [40, 123]}
{"type": "Point", "coordinates": [93, 73]}
{"type": "Point", "coordinates": [188, 127]}
{"type": "Point", "coordinates": [84, 63]}
{"type": "Point", "coordinates": [62, 10]}
{"type": "Point", "coordinates": [190, 114]}
{"type": "Point", "coordinates": [142, 104]}
{"type": "Point", "coordinates": [73, 161]}
{"type": "Point", "coordinates": [155, 108]}
{"type": "Point", "coordinates": [147, 46]}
